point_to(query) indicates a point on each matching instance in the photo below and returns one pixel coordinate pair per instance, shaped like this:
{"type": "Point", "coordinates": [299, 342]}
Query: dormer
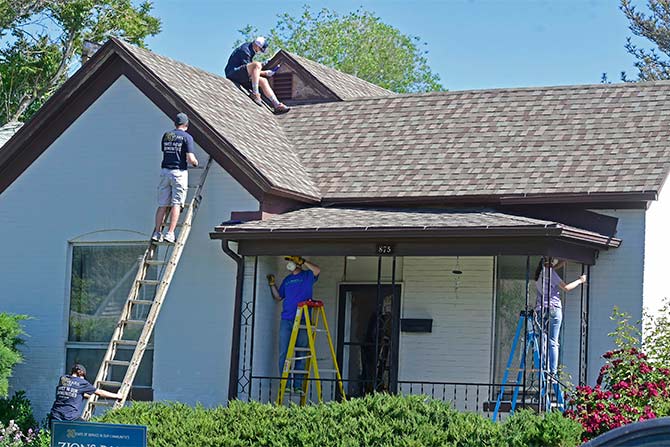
{"type": "Point", "coordinates": [302, 81]}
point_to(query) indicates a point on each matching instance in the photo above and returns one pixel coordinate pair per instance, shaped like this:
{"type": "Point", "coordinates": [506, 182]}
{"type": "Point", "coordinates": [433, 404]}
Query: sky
{"type": "Point", "coordinates": [472, 44]}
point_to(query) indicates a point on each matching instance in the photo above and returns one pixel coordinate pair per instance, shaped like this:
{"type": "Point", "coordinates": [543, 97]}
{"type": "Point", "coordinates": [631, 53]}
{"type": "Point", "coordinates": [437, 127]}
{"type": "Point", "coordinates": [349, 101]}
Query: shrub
{"type": "Point", "coordinates": [18, 410]}
{"type": "Point", "coordinates": [526, 428]}
{"type": "Point", "coordinates": [377, 420]}
{"type": "Point", "coordinates": [631, 386]}
{"type": "Point", "coordinates": [10, 339]}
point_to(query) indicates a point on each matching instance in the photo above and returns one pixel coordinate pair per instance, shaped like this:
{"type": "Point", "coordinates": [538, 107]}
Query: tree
{"type": "Point", "coordinates": [358, 43]}
{"type": "Point", "coordinates": [10, 339]}
{"type": "Point", "coordinates": [652, 64]}
{"type": "Point", "coordinates": [40, 42]}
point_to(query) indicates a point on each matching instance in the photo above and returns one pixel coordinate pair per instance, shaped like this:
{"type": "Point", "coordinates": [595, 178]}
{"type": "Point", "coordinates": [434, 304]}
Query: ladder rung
{"type": "Point", "coordinates": [301, 349]}
{"type": "Point", "coordinates": [301, 358]}
{"type": "Point", "coordinates": [147, 302]}
{"type": "Point", "coordinates": [126, 342]}
{"type": "Point", "coordinates": [110, 383]}
{"type": "Point", "coordinates": [103, 403]}
{"type": "Point", "coordinates": [134, 321]}
{"type": "Point", "coordinates": [314, 329]}
{"type": "Point", "coordinates": [118, 363]}
{"type": "Point", "coordinates": [327, 371]}
{"type": "Point", "coordinates": [148, 282]}
{"type": "Point", "coordinates": [298, 371]}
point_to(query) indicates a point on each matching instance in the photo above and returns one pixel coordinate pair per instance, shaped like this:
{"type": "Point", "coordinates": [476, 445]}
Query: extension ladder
{"type": "Point", "coordinates": [527, 321]}
{"type": "Point", "coordinates": [308, 353]}
{"type": "Point", "coordinates": [134, 309]}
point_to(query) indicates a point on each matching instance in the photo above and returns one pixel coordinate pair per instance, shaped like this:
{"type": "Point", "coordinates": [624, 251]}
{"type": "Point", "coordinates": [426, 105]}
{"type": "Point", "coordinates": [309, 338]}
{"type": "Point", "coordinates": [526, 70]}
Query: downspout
{"type": "Point", "coordinates": [235, 349]}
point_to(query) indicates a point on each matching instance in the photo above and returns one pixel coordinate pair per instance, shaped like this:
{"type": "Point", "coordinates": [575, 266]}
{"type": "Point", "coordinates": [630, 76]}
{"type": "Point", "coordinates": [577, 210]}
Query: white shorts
{"type": "Point", "coordinates": [173, 187]}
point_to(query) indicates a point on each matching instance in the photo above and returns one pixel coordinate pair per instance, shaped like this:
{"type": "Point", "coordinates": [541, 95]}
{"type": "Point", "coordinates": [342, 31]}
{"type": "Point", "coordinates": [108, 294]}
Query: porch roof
{"type": "Point", "coordinates": [492, 231]}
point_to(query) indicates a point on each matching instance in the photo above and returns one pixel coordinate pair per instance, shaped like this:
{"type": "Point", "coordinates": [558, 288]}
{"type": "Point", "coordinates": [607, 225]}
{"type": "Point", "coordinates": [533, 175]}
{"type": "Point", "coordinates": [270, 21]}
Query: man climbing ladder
{"type": "Point", "coordinates": [138, 311]}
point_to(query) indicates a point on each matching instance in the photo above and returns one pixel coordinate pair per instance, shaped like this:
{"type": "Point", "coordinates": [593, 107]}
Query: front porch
{"type": "Point", "coordinates": [446, 305]}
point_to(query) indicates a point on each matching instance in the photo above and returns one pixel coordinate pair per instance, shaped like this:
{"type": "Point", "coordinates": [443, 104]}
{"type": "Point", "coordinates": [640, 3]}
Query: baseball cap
{"type": "Point", "coordinates": [181, 119]}
{"type": "Point", "coordinates": [262, 43]}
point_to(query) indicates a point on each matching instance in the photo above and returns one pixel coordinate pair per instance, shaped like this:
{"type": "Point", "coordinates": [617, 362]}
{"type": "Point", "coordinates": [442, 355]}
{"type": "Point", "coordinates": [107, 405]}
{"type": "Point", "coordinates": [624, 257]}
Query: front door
{"type": "Point", "coordinates": [365, 342]}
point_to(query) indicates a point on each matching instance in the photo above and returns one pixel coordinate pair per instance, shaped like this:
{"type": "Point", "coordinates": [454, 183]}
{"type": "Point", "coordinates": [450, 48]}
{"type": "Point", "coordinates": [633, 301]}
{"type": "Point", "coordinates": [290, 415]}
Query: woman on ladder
{"type": "Point", "coordinates": [547, 280]}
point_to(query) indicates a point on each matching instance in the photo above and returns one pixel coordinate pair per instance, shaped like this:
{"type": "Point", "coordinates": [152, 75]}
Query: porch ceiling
{"type": "Point", "coordinates": [415, 231]}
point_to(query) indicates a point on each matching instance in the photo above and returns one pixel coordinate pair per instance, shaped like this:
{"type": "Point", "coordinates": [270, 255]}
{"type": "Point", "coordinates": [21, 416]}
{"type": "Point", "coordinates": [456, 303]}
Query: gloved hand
{"type": "Point", "coordinates": [271, 72]}
{"type": "Point", "coordinates": [297, 259]}
{"type": "Point", "coordinates": [271, 280]}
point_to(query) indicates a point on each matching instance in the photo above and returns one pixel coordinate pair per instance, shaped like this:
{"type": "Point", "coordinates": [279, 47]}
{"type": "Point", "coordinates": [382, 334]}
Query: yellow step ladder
{"type": "Point", "coordinates": [311, 370]}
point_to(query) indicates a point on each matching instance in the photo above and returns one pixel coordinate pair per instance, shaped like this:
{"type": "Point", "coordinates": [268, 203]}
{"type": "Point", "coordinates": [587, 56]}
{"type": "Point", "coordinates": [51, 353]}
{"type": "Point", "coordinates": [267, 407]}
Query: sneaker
{"type": "Point", "coordinates": [256, 97]}
{"type": "Point", "coordinates": [157, 236]}
{"type": "Point", "coordinates": [281, 108]}
{"type": "Point", "coordinates": [169, 238]}
{"type": "Point", "coordinates": [296, 390]}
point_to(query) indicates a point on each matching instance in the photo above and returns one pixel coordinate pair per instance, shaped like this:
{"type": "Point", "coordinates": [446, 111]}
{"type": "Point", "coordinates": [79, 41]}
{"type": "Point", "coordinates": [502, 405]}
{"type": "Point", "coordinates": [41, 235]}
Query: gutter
{"type": "Point", "coordinates": [235, 350]}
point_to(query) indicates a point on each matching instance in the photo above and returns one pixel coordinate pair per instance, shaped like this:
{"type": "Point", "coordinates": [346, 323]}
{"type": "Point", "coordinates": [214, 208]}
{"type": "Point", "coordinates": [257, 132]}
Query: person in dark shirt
{"type": "Point", "coordinates": [177, 146]}
{"type": "Point", "coordinates": [71, 391]}
{"type": "Point", "coordinates": [241, 68]}
{"type": "Point", "coordinates": [296, 287]}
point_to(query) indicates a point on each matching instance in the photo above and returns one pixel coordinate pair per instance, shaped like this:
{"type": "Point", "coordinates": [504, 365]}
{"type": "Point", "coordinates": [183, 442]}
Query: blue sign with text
{"type": "Point", "coordinates": [91, 434]}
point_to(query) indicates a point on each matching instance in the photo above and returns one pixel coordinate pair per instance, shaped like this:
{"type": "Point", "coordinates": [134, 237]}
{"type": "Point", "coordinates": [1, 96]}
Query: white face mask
{"type": "Point", "coordinates": [290, 266]}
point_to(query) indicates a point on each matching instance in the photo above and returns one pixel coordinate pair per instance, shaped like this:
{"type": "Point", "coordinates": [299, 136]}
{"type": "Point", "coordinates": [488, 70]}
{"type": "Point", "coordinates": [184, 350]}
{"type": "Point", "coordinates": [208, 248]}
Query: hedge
{"type": "Point", "coordinates": [379, 420]}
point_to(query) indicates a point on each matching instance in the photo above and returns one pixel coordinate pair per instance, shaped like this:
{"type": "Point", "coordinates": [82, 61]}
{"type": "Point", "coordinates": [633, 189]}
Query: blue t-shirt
{"type": "Point", "coordinates": [175, 144]}
{"type": "Point", "coordinates": [70, 397]}
{"type": "Point", "coordinates": [242, 55]}
{"type": "Point", "coordinates": [294, 289]}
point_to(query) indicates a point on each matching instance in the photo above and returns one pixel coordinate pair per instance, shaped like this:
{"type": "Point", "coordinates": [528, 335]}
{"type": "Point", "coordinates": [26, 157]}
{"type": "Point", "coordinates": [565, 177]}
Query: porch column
{"type": "Point", "coordinates": [395, 335]}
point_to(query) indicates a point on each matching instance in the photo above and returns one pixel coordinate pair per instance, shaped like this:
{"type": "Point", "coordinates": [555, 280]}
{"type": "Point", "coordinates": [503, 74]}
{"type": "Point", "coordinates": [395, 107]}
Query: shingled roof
{"type": "Point", "coordinates": [594, 143]}
{"type": "Point", "coordinates": [334, 222]}
{"type": "Point", "coordinates": [581, 140]}
{"type": "Point", "coordinates": [252, 130]}
{"type": "Point", "coordinates": [343, 85]}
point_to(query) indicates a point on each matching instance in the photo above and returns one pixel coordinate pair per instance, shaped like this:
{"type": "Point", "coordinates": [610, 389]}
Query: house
{"type": "Point", "coordinates": [442, 202]}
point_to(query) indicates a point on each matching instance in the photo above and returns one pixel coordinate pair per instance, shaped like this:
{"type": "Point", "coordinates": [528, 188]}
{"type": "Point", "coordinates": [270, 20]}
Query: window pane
{"type": "Point", "coordinates": [100, 282]}
{"type": "Point", "coordinates": [91, 359]}
{"type": "Point", "coordinates": [510, 301]}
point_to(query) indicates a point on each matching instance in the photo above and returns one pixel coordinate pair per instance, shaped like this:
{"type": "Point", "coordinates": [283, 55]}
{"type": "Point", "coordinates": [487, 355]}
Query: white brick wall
{"type": "Point", "coordinates": [616, 280]}
{"type": "Point", "coordinates": [459, 348]}
{"type": "Point", "coordinates": [101, 174]}
{"type": "Point", "coordinates": [656, 250]}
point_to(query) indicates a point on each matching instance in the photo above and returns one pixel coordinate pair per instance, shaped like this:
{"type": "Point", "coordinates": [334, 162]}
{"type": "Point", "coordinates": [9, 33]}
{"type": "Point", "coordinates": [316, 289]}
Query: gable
{"type": "Point", "coordinates": [314, 82]}
{"type": "Point", "coordinates": [240, 136]}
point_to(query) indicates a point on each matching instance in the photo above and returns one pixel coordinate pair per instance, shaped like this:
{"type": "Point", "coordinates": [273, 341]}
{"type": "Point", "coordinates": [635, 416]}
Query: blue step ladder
{"type": "Point", "coordinates": [533, 337]}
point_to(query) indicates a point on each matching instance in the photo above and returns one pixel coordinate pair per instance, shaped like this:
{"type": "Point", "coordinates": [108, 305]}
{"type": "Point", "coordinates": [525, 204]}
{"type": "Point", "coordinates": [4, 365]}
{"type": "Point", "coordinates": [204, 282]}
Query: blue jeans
{"type": "Point", "coordinates": [555, 318]}
{"type": "Point", "coordinates": [285, 329]}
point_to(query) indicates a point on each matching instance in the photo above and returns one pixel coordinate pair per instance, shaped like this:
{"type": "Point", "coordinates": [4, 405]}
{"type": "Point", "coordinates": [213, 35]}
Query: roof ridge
{"type": "Point", "coordinates": [573, 87]}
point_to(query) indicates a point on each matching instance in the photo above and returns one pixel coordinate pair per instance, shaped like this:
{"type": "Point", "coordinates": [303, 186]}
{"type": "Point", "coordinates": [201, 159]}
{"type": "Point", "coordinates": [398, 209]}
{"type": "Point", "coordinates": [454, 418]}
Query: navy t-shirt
{"type": "Point", "coordinates": [241, 56]}
{"type": "Point", "coordinates": [294, 289]}
{"type": "Point", "coordinates": [175, 144]}
{"type": "Point", "coordinates": [69, 401]}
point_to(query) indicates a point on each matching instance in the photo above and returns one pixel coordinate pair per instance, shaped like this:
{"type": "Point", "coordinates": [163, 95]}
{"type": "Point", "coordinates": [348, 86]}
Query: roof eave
{"type": "Point", "coordinates": [553, 231]}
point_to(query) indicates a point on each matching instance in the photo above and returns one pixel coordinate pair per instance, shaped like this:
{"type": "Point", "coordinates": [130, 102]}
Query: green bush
{"type": "Point", "coordinates": [10, 339]}
{"type": "Point", "coordinates": [379, 420]}
{"type": "Point", "coordinates": [17, 409]}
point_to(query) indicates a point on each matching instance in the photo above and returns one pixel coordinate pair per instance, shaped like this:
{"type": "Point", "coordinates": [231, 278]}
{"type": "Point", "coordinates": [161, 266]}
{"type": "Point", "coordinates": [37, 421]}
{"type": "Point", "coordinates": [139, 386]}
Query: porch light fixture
{"type": "Point", "coordinates": [457, 270]}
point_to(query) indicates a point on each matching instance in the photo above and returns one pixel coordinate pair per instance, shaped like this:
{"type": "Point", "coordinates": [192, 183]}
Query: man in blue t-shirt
{"type": "Point", "coordinates": [71, 391]}
{"type": "Point", "coordinates": [177, 146]}
{"type": "Point", "coordinates": [243, 70]}
{"type": "Point", "coordinates": [296, 287]}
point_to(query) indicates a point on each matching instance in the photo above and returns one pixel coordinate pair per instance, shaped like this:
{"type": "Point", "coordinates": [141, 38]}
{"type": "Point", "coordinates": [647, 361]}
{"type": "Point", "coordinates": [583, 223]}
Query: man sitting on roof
{"type": "Point", "coordinates": [243, 70]}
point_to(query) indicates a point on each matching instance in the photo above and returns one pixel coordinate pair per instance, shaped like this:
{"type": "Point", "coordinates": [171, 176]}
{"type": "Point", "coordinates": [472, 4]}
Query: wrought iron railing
{"type": "Point", "coordinates": [464, 396]}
